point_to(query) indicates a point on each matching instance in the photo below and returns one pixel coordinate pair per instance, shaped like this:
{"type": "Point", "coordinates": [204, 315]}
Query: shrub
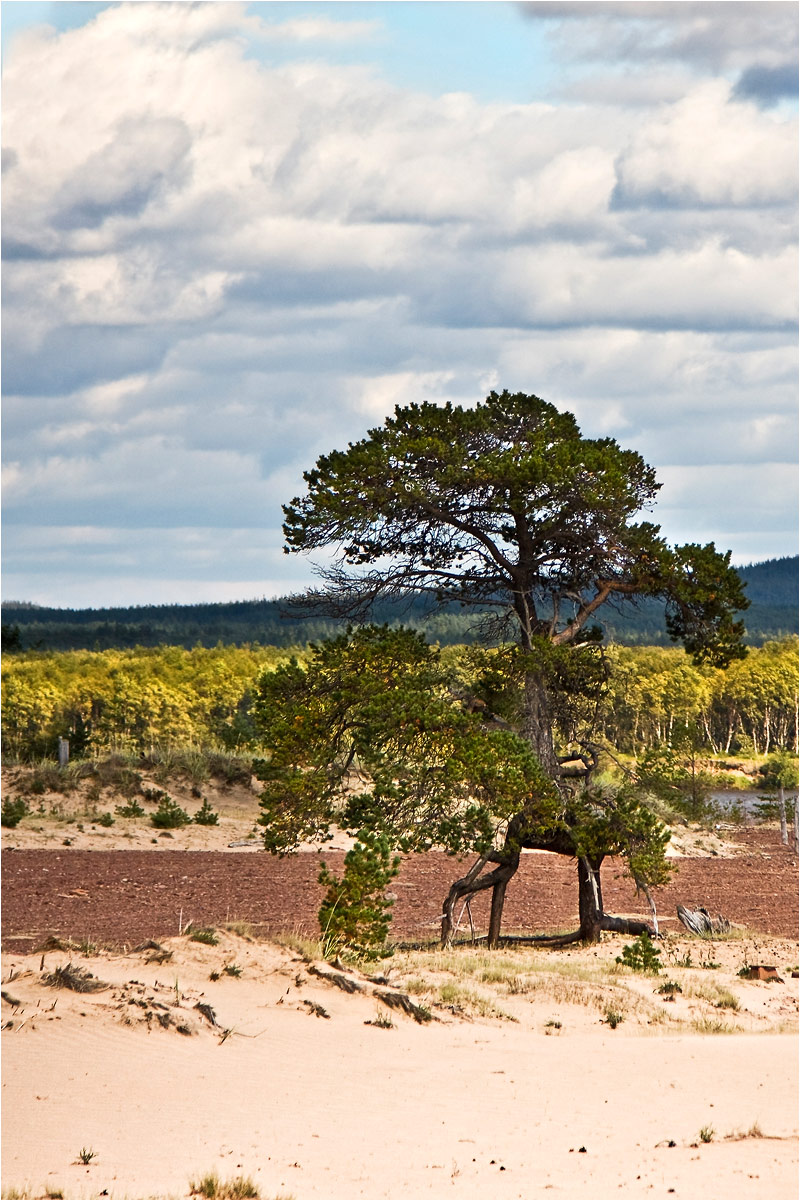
{"type": "Point", "coordinates": [231, 769]}
{"type": "Point", "coordinates": [132, 809]}
{"type": "Point", "coordinates": [641, 956]}
{"type": "Point", "coordinates": [169, 815]}
{"type": "Point", "coordinates": [12, 812]}
{"type": "Point", "coordinates": [156, 795]}
{"type": "Point", "coordinates": [208, 936]}
{"type": "Point", "coordinates": [114, 772]}
{"type": "Point", "coordinates": [105, 819]}
{"type": "Point", "coordinates": [355, 911]}
{"type": "Point", "coordinates": [205, 815]}
{"type": "Point", "coordinates": [613, 1018]}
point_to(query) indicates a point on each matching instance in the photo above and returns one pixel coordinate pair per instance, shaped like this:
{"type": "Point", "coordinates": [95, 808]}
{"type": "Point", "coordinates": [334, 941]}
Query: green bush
{"type": "Point", "coordinates": [354, 914]}
{"type": "Point", "coordinates": [132, 809]}
{"type": "Point", "coordinates": [169, 815]}
{"type": "Point", "coordinates": [207, 936]}
{"type": "Point", "coordinates": [13, 812]}
{"type": "Point", "coordinates": [641, 956]}
{"type": "Point", "coordinates": [205, 815]}
{"type": "Point", "coordinates": [105, 819]}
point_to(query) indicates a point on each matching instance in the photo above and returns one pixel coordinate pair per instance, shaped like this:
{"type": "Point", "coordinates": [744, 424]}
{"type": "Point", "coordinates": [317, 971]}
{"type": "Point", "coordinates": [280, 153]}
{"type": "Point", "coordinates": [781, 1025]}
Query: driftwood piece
{"type": "Point", "coordinates": [627, 925]}
{"type": "Point", "coordinates": [395, 1000]}
{"type": "Point", "coordinates": [699, 921]}
{"type": "Point", "coordinates": [400, 1000]}
{"type": "Point", "coordinates": [316, 1009]}
{"type": "Point", "coordinates": [207, 1012]}
{"type": "Point", "coordinates": [346, 983]}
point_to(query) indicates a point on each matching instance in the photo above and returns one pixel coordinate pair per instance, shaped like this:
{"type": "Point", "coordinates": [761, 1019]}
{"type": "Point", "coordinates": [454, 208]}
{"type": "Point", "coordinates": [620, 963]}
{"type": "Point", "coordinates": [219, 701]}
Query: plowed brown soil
{"type": "Point", "coordinates": [122, 897]}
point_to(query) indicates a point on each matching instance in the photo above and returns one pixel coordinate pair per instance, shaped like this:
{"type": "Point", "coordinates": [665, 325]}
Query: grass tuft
{"type": "Point", "coordinates": [212, 1187]}
{"type": "Point", "coordinates": [205, 935]}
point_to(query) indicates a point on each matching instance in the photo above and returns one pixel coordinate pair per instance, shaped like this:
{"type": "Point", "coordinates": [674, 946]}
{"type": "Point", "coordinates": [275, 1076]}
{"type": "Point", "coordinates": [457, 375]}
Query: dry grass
{"type": "Point", "coordinates": [235, 1189]}
{"type": "Point", "coordinates": [738, 1136]}
{"type": "Point", "coordinates": [508, 981]}
{"type": "Point", "coordinates": [468, 1000]}
{"type": "Point", "coordinates": [309, 949]}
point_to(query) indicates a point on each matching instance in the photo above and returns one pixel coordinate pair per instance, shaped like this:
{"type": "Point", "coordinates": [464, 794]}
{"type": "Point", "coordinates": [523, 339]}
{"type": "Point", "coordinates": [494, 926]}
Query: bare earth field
{"type": "Point", "coordinates": [540, 1074]}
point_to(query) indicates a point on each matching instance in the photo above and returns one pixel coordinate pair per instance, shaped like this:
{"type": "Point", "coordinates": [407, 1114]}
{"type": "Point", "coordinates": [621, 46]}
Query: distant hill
{"type": "Point", "coordinates": [772, 587]}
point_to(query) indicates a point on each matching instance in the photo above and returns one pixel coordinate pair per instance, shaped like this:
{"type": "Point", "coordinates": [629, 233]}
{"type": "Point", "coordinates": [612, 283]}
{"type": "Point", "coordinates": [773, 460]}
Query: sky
{"type": "Point", "coordinates": [235, 236]}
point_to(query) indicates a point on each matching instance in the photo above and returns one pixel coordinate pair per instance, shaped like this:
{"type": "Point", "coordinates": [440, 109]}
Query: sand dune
{"type": "Point", "coordinates": [491, 1099]}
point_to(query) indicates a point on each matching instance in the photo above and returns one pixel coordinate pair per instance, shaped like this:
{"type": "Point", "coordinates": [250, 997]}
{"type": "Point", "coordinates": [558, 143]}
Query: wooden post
{"type": "Point", "coordinates": [63, 752]}
{"type": "Point", "coordinates": [782, 814]}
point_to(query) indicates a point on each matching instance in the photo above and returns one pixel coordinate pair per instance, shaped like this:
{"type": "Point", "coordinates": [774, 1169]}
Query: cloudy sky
{"type": "Point", "coordinates": [236, 235]}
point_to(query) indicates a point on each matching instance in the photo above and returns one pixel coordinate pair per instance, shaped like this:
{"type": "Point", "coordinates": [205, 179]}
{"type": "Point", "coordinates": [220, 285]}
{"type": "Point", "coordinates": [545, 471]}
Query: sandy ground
{"type": "Point", "coordinates": [519, 1087]}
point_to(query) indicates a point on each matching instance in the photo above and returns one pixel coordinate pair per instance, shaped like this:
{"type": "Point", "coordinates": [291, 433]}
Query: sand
{"type": "Point", "coordinates": [470, 1105]}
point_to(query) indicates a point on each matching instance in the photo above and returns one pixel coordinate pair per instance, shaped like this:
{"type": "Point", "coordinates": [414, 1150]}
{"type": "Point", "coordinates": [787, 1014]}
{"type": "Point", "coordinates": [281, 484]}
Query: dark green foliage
{"type": "Point", "coordinates": [169, 815]}
{"type": "Point", "coordinates": [12, 812]}
{"type": "Point", "coordinates": [131, 809]}
{"type": "Point", "coordinates": [606, 821]}
{"type": "Point", "coordinates": [155, 795]}
{"type": "Point", "coordinates": [506, 504]}
{"type": "Point", "coordinates": [641, 955]}
{"type": "Point", "coordinates": [11, 639]}
{"type": "Point", "coordinates": [205, 815]}
{"type": "Point", "coordinates": [376, 708]}
{"type": "Point", "coordinates": [105, 819]}
{"type": "Point", "coordinates": [355, 913]}
{"type": "Point", "coordinates": [207, 936]}
{"type": "Point", "coordinates": [779, 771]}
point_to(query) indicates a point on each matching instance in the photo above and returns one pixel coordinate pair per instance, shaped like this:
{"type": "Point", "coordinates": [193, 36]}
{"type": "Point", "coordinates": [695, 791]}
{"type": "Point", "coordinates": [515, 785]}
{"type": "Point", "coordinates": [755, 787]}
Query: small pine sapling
{"type": "Point", "coordinates": [354, 914]}
{"type": "Point", "coordinates": [169, 815]}
{"type": "Point", "coordinates": [205, 815]}
{"type": "Point", "coordinates": [641, 956]}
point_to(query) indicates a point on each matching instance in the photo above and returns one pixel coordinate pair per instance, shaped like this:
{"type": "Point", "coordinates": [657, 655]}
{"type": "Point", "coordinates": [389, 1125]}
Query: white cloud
{"type": "Point", "coordinates": [709, 150]}
{"type": "Point", "coordinates": [218, 268]}
{"type": "Point", "coordinates": [319, 29]}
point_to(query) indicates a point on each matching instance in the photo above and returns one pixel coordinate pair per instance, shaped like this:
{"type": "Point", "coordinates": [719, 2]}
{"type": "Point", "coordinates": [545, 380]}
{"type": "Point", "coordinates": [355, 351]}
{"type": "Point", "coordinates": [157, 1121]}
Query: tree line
{"type": "Point", "coordinates": [771, 588]}
{"type": "Point", "coordinates": [171, 697]}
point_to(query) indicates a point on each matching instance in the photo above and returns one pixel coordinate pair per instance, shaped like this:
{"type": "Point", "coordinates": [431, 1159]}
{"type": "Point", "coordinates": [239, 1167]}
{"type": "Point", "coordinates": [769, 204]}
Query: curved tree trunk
{"type": "Point", "coordinates": [590, 898]}
{"type": "Point", "coordinates": [473, 882]}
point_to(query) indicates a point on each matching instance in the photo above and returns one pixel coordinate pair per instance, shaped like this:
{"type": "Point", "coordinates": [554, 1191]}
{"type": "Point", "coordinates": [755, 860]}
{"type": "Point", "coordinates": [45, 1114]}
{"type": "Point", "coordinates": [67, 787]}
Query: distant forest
{"type": "Point", "coordinates": [772, 588]}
